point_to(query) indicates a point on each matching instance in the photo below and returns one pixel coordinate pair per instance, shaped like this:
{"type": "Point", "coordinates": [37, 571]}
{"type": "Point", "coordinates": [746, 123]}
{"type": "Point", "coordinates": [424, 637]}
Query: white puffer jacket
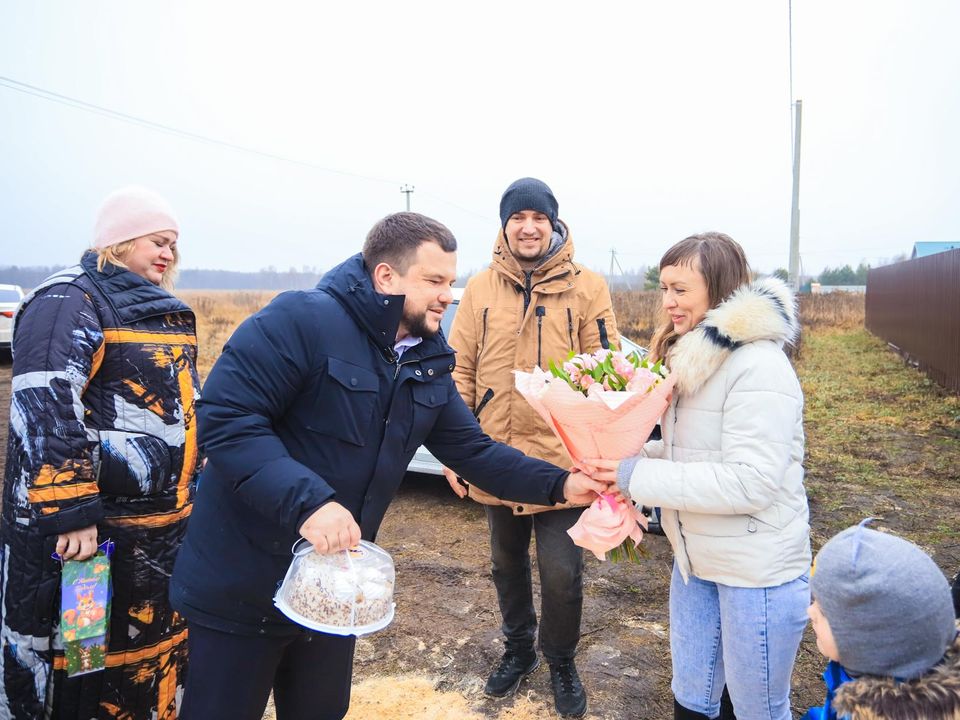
{"type": "Point", "coordinates": [728, 474]}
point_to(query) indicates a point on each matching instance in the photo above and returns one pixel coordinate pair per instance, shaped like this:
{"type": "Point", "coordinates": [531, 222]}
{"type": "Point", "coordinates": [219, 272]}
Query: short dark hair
{"type": "Point", "coordinates": [395, 239]}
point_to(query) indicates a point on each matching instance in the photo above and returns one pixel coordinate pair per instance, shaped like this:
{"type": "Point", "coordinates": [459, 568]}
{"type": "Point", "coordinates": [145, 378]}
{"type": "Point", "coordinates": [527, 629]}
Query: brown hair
{"type": "Point", "coordinates": [117, 255]}
{"type": "Point", "coordinates": [721, 261]}
{"type": "Point", "coordinates": [395, 240]}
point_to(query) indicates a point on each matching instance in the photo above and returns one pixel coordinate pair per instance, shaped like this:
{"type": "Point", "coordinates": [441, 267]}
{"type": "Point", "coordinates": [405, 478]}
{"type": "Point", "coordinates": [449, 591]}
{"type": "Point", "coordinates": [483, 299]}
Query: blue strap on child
{"type": "Point", "coordinates": [834, 676]}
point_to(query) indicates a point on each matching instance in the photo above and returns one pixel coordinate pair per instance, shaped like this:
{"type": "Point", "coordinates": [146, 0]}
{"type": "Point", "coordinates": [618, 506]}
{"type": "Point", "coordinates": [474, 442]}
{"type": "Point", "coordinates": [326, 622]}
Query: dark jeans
{"type": "Point", "coordinates": [230, 676]}
{"type": "Point", "coordinates": [560, 564]}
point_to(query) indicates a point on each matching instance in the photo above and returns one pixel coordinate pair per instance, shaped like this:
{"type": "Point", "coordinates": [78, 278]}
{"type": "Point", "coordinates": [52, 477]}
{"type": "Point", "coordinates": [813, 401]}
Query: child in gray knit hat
{"type": "Point", "coordinates": [883, 614]}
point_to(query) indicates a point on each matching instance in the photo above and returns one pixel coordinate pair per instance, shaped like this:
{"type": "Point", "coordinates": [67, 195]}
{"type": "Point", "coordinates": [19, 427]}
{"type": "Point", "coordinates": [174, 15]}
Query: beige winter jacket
{"type": "Point", "coordinates": [508, 320]}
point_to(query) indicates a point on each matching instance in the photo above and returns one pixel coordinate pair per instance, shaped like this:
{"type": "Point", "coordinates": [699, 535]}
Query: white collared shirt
{"type": "Point", "coordinates": [405, 344]}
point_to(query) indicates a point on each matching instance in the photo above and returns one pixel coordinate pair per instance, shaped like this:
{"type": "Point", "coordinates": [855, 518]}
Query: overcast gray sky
{"type": "Point", "coordinates": [650, 120]}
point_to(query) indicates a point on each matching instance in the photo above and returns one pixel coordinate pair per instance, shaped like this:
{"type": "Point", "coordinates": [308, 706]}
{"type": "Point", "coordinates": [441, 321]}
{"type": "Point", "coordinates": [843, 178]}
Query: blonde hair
{"type": "Point", "coordinates": [723, 264]}
{"type": "Point", "coordinates": [117, 255]}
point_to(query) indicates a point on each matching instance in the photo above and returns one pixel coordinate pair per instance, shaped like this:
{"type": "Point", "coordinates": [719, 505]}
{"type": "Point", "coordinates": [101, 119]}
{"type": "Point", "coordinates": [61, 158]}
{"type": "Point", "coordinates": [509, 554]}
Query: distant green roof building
{"type": "Point", "coordinates": [922, 249]}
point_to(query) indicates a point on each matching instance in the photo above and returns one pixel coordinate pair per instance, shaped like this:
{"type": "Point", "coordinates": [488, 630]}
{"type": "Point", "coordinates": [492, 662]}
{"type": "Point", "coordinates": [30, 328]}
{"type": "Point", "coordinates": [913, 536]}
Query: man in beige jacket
{"type": "Point", "coordinates": [532, 305]}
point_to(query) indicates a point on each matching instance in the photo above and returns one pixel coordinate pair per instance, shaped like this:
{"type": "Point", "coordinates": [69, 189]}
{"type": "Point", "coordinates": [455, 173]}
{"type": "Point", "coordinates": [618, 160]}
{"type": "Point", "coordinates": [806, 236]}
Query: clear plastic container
{"type": "Point", "coordinates": [345, 593]}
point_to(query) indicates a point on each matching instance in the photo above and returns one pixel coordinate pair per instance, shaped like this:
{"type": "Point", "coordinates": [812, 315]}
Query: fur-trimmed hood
{"type": "Point", "coordinates": [934, 696]}
{"type": "Point", "coordinates": [762, 310]}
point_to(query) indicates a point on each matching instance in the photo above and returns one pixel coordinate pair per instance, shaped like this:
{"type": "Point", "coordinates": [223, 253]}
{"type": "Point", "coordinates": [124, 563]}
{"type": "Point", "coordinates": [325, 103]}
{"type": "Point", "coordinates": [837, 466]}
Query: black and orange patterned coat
{"type": "Point", "coordinates": [102, 431]}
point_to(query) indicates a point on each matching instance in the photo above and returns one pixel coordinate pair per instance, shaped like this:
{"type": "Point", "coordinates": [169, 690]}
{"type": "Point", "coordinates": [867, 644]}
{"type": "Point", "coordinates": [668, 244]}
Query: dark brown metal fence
{"type": "Point", "coordinates": [915, 306]}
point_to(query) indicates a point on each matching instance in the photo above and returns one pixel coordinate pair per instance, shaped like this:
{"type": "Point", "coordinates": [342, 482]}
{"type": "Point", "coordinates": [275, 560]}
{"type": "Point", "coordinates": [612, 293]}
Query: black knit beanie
{"type": "Point", "coordinates": [528, 194]}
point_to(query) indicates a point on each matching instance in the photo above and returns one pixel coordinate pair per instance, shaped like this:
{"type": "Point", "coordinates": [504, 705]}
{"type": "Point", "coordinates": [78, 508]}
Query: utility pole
{"type": "Point", "coordinates": [406, 190]}
{"type": "Point", "coordinates": [795, 206]}
{"type": "Point", "coordinates": [614, 261]}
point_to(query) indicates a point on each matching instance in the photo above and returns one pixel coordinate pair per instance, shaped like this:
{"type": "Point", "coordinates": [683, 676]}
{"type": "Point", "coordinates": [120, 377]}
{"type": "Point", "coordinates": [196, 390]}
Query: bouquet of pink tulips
{"type": "Point", "coordinates": [609, 371]}
{"type": "Point", "coordinates": [601, 405]}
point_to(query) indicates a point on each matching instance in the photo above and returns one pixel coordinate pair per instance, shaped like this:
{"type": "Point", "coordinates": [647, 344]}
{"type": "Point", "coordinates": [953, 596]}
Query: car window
{"type": "Point", "coordinates": [447, 319]}
{"type": "Point", "coordinates": [8, 295]}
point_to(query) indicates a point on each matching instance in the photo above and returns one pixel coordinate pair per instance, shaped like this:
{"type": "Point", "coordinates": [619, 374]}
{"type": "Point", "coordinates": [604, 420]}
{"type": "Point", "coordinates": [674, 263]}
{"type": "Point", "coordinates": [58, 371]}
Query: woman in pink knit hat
{"type": "Point", "coordinates": [103, 446]}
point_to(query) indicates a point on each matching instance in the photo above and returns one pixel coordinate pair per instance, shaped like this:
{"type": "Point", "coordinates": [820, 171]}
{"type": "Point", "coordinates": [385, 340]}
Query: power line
{"type": "Point", "coordinates": [459, 207]}
{"type": "Point", "coordinates": [12, 84]}
{"type": "Point", "coordinates": [94, 109]}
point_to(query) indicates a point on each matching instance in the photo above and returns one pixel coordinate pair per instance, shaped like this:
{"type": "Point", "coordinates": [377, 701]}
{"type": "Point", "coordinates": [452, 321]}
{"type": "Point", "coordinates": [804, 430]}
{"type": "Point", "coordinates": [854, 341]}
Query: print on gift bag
{"type": "Point", "coordinates": [85, 611]}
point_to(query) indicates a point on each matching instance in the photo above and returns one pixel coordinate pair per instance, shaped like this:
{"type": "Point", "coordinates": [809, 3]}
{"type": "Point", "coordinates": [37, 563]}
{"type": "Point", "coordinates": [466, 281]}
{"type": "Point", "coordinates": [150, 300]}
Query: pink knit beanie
{"type": "Point", "coordinates": [129, 213]}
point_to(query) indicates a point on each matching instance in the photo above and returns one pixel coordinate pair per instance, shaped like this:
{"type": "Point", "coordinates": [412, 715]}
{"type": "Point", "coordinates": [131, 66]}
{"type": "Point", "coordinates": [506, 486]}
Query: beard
{"type": "Point", "coordinates": [416, 324]}
{"type": "Point", "coordinates": [529, 254]}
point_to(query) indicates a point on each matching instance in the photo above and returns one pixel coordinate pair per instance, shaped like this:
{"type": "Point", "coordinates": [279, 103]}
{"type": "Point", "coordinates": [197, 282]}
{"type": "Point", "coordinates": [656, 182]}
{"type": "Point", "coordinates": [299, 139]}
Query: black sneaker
{"type": "Point", "coordinates": [568, 693]}
{"type": "Point", "coordinates": [512, 668]}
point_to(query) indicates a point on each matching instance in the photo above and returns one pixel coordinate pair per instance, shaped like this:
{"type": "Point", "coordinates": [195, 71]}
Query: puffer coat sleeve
{"type": "Point", "coordinates": [735, 442]}
{"type": "Point", "coordinates": [256, 379]}
{"type": "Point", "coordinates": [57, 483]}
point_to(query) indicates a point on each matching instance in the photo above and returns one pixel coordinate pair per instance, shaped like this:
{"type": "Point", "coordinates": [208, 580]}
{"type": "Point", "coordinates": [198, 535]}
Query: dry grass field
{"type": "Point", "coordinates": [836, 311]}
{"type": "Point", "coordinates": [638, 314]}
{"type": "Point", "coordinates": [218, 314]}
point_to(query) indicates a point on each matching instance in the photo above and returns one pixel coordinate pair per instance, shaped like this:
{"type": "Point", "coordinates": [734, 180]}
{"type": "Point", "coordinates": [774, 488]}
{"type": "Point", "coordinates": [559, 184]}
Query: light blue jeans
{"type": "Point", "coordinates": [744, 637]}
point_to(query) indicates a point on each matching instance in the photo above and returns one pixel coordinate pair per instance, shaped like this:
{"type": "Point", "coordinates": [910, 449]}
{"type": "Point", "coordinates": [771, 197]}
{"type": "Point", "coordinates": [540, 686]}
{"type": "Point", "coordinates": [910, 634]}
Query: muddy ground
{"type": "Point", "coordinates": [446, 626]}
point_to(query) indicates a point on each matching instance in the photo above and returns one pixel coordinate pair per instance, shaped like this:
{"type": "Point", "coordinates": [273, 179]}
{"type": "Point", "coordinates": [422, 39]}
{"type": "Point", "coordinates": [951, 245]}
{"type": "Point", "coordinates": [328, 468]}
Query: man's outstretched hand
{"type": "Point", "coordinates": [331, 529]}
{"type": "Point", "coordinates": [602, 470]}
{"type": "Point", "coordinates": [455, 484]}
{"type": "Point", "coordinates": [581, 489]}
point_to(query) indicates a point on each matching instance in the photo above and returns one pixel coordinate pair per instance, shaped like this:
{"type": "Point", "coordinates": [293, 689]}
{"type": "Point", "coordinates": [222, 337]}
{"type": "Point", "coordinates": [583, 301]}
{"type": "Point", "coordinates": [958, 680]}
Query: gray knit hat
{"type": "Point", "coordinates": [887, 602]}
{"type": "Point", "coordinates": [528, 194]}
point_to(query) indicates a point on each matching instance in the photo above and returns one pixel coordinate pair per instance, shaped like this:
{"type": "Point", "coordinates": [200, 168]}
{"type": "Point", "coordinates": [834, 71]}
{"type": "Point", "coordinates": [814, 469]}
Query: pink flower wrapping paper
{"type": "Point", "coordinates": [605, 526]}
{"type": "Point", "coordinates": [612, 425]}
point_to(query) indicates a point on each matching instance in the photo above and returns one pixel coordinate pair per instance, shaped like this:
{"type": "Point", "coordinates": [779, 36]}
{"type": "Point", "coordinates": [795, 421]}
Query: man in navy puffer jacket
{"type": "Point", "coordinates": [308, 421]}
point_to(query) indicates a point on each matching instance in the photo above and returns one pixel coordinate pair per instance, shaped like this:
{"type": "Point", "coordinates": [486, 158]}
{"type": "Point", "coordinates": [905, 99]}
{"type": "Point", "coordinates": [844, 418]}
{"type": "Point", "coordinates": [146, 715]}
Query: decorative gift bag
{"type": "Point", "coordinates": [85, 594]}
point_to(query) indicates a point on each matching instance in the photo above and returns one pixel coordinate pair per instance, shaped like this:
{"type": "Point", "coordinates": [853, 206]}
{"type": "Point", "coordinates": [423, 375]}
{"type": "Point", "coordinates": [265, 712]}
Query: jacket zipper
{"type": "Point", "coordinates": [400, 364]}
{"type": "Point", "coordinates": [604, 340]}
{"type": "Point", "coordinates": [487, 397]}
{"type": "Point", "coordinates": [529, 285]}
{"type": "Point", "coordinates": [527, 291]}
{"type": "Point", "coordinates": [483, 336]}
{"type": "Point", "coordinates": [541, 311]}
{"type": "Point", "coordinates": [570, 326]}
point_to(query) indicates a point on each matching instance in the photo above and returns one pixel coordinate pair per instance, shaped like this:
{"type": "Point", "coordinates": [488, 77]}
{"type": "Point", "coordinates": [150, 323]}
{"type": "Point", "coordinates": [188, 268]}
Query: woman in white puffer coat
{"type": "Point", "coordinates": [728, 477]}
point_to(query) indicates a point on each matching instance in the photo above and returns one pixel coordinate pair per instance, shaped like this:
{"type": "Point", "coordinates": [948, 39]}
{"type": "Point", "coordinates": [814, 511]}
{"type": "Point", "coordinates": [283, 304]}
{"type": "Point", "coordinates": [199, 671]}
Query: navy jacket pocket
{"type": "Point", "coordinates": [428, 400]}
{"type": "Point", "coordinates": [346, 403]}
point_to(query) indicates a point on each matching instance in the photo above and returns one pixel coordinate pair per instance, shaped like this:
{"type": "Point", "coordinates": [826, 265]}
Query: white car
{"type": "Point", "coordinates": [10, 297]}
{"type": "Point", "coordinates": [424, 461]}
